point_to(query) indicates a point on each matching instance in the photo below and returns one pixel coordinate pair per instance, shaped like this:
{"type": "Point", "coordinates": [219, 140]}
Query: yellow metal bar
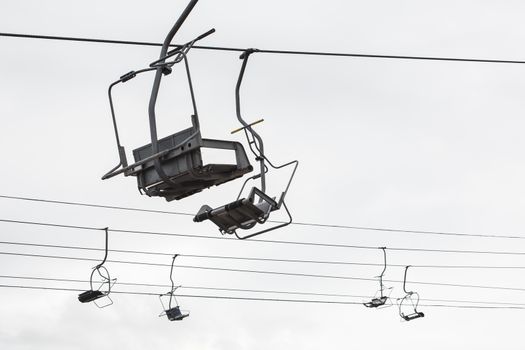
{"type": "Point", "coordinates": [249, 125]}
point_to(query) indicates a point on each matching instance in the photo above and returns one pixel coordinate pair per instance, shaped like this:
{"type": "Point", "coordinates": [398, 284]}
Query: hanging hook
{"type": "Point", "coordinates": [106, 230]}
{"type": "Point", "coordinates": [383, 272]}
{"type": "Point", "coordinates": [405, 280]}
{"type": "Point", "coordinates": [171, 278]}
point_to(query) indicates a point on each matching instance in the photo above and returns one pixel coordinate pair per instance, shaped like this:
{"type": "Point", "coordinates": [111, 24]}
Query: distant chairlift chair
{"type": "Point", "coordinates": [380, 300]}
{"type": "Point", "coordinates": [410, 300]}
{"type": "Point", "coordinates": [172, 167]}
{"type": "Point", "coordinates": [92, 295]}
{"type": "Point", "coordinates": [255, 209]}
{"type": "Point", "coordinates": [172, 311]}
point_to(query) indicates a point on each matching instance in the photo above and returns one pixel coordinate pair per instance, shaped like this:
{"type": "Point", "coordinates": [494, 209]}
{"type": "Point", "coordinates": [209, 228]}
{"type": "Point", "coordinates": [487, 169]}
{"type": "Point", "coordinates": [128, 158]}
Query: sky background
{"type": "Point", "coordinates": [382, 143]}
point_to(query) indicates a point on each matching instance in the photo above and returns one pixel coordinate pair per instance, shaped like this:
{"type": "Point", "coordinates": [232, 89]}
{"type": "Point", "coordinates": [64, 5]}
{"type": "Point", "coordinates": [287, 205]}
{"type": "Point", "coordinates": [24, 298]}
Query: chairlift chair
{"type": "Point", "coordinates": [245, 213]}
{"type": "Point", "coordinates": [172, 167]}
{"type": "Point", "coordinates": [380, 300]}
{"type": "Point", "coordinates": [94, 294]}
{"type": "Point", "coordinates": [411, 299]}
{"type": "Point", "coordinates": [173, 312]}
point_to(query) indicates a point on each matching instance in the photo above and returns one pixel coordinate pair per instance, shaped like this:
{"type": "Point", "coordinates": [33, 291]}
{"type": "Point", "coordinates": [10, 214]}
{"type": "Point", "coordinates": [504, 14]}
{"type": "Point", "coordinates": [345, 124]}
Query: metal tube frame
{"type": "Point", "coordinates": [256, 145]}
{"type": "Point", "coordinates": [409, 297]}
{"type": "Point", "coordinates": [161, 67]}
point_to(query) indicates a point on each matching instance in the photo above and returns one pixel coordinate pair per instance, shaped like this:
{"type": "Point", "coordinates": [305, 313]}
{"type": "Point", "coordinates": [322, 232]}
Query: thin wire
{"type": "Point", "coordinates": [265, 272]}
{"type": "Point", "coordinates": [46, 279]}
{"type": "Point", "coordinates": [224, 257]}
{"type": "Point", "coordinates": [102, 206]}
{"type": "Point", "coordinates": [332, 245]}
{"type": "Point", "coordinates": [268, 51]}
{"type": "Point", "coordinates": [262, 299]}
{"type": "Point", "coordinates": [319, 225]}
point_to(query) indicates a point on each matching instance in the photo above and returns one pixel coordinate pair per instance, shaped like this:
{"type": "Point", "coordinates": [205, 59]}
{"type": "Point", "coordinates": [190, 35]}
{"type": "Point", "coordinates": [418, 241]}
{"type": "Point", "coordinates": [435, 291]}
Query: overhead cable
{"type": "Point", "coordinates": [275, 273]}
{"type": "Point", "coordinates": [257, 259]}
{"type": "Point", "coordinates": [298, 243]}
{"type": "Point", "coordinates": [120, 283]}
{"type": "Point", "coordinates": [261, 299]}
{"type": "Point", "coordinates": [297, 223]}
{"type": "Point", "coordinates": [267, 51]}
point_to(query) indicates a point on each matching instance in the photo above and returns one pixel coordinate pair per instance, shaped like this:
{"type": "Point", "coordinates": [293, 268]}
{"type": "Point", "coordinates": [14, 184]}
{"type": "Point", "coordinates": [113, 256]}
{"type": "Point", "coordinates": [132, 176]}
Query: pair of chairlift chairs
{"type": "Point", "coordinates": [409, 301]}
{"type": "Point", "coordinates": [172, 311]}
{"type": "Point", "coordinates": [173, 168]}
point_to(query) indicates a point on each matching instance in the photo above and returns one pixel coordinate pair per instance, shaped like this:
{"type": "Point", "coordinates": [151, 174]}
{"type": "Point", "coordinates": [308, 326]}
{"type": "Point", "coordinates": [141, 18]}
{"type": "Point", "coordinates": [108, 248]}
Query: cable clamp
{"type": "Point", "coordinates": [247, 53]}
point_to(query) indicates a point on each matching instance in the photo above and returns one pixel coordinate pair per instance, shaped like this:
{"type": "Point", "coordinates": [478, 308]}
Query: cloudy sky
{"type": "Point", "coordinates": [416, 145]}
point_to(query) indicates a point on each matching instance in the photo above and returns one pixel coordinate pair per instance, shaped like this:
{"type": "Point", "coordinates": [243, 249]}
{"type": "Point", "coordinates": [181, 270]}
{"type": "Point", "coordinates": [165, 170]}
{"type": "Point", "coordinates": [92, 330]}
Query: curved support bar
{"type": "Point", "coordinates": [171, 278]}
{"type": "Point", "coordinates": [405, 280]}
{"type": "Point", "coordinates": [383, 272]}
{"type": "Point", "coordinates": [120, 149]}
{"type": "Point", "coordinates": [156, 86]}
{"type": "Point", "coordinates": [245, 56]}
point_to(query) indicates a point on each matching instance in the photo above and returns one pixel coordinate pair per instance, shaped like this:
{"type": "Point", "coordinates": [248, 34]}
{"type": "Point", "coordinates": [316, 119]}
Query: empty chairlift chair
{"type": "Point", "coordinates": [380, 299]}
{"type": "Point", "coordinates": [245, 213]}
{"type": "Point", "coordinates": [409, 302]}
{"type": "Point", "coordinates": [172, 311]}
{"type": "Point", "coordinates": [172, 167]}
{"type": "Point", "coordinates": [106, 283]}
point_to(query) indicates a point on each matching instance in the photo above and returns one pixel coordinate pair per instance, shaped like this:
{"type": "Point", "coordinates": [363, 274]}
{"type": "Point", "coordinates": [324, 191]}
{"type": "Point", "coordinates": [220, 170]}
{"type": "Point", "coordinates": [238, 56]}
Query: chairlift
{"type": "Point", "coordinates": [172, 167]}
{"type": "Point", "coordinates": [245, 213]}
{"type": "Point", "coordinates": [380, 299]}
{"type": "Point", "coordinates": [410, 300]}
{"type": "Point", "coordinates": [106, 283]}
{"type": "Point", "coordinates": [172, 311]}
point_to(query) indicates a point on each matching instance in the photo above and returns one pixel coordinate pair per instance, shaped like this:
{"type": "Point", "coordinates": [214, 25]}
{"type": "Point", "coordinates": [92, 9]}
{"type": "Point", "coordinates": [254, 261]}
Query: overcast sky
{"type": "Point", "coordinates": [434, 146]}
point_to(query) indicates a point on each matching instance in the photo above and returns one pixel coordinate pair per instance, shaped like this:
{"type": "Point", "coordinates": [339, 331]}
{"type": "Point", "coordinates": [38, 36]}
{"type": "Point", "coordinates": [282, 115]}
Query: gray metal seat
{"type": "Point", "coordinates": [256, 208]}
{"type": "Point", "coordinates": [172, 167]}
{"type": "Point", "coordinates": [183, 171]}
{"type": "Point", "coordinates": [376, 302]}
{"type": "Point", "coordinates": [243, 213]}
{"type": "Point", "coordinates": [412, 316]}
{"type": "Point", "coordinates": [174, 314]}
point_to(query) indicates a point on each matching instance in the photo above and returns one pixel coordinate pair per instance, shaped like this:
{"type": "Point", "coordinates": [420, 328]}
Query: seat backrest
{"type": "Point", "coordinates": [170, 142]}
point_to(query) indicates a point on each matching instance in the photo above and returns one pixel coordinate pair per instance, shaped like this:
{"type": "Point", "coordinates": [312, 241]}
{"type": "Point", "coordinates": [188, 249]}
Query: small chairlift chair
{"type": "Point", "coordinates": [173, 311]}
{"type": "Point", "coordinates": [245, 213]}
{"type": "Point", "coordinates": [380, 299]}
{"type": "Point", "coordinates": [411, 300]}
{"type": "Point", "coordinates": [172, 167]}
{"type": "Point", "coordinates": [106, 284]}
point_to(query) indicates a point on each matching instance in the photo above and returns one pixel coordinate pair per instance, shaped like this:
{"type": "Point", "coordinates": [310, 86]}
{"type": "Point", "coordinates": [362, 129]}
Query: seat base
{"type": "Point", "coordinates": [182, 171]}
{"type": "Point", "coordinates": [376, 302]}
{"type": "Point", "coordinates": [90, 295]}
{"type": "Point", "coordinates": [242, 213]}
{"type": "Point", "coordinates": [196, 180]}
{"type": "Point", "coordinates": [413, 316]}
{"type": "Point", "coordinates": [174, 314]}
